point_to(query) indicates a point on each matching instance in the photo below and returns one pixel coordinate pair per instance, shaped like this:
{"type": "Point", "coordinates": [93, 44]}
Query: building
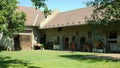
{"type": "Point", "coordinates": [31, 35]}
{"type": "Point", "coordinates": [61, 30]}
{"type": "Point", "coordinates": [67, 27]}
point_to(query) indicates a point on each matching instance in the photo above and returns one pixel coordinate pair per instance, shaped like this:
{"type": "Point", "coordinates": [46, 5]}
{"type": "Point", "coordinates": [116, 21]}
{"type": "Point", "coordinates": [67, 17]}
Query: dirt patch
{"type": "Point", "coordinates": [114, 56]}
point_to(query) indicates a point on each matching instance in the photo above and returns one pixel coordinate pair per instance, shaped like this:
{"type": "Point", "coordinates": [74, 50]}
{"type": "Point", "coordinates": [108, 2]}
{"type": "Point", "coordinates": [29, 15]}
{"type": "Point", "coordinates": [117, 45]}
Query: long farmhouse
{"type": "Point", "coordinates": [60, 29]}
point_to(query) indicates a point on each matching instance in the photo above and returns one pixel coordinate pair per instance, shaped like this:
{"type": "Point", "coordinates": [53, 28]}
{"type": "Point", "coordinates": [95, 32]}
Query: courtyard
{"type": "Point", "coordinates": [58, 59]}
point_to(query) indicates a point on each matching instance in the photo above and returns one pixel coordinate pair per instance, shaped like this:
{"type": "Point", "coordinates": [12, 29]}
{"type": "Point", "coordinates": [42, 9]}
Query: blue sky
{"type": "Point", "coordinates": [62, 5]}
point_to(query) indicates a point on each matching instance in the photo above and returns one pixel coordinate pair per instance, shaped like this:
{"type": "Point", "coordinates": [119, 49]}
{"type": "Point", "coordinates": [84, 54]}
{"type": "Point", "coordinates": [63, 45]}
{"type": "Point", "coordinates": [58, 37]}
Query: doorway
{"type": "Point", "coordinates": [17, 43]}
{"type": "Point", "coordinates": [43, 39]}
{"type": "Point", "coordinates": [66, 43]}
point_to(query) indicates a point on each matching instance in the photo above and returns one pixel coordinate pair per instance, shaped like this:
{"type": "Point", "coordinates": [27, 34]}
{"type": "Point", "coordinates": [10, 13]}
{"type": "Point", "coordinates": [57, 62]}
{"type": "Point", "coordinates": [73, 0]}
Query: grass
{"type": "Point", "coordinates": [55, 59]}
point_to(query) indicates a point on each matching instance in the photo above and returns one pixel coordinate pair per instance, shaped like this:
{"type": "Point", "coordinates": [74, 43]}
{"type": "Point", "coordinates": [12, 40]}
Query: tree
{"type": "Point", "coordinates": [11, 22]}
{"type": "Point", "coordinates": [106, 12]}
{"type": "Point", "coordinates": [42, 4]}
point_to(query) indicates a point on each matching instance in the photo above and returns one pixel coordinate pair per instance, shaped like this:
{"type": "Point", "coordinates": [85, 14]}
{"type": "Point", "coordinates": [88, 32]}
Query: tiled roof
{"type": "Point", "coordinates": [34, 16]}
{"type": "Point", "coordinates": [70, 18]}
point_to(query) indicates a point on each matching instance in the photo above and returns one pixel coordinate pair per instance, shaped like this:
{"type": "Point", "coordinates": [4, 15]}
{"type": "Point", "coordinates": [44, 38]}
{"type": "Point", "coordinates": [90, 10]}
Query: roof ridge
{"type": "Point", "coordinates": [29, 8]}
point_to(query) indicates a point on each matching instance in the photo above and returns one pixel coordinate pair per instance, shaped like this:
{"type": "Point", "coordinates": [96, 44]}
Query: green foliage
{"type": "Point", "coordinates": [106, 12]}
{"type": "Point", "coordinates": [11, 22]}
{"type": "Point", "coordinates": [42, 4]}
{"type": "Point", "coordinates": [47, 12]}
{"type": "Point", "coordinates": [18, 20]}
{"type": "Point", "coordinates": [39, 3]}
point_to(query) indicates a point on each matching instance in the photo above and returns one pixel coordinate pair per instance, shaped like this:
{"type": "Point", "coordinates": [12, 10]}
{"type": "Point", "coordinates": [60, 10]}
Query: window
{"type": "Point", "coordinates": [112, 37]}
{"type": "Point", "coordinates": [112, 34]}
{"type": "Point", "coordinates": [59, 29]}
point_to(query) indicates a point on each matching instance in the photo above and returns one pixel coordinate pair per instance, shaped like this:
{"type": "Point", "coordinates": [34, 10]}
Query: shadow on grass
{"type": "Point", "coordinates": [34, 67]}
{"type": "Point", "coordinates": [91, 58]}
{"type": "Point", "coordinates": [6, 62]}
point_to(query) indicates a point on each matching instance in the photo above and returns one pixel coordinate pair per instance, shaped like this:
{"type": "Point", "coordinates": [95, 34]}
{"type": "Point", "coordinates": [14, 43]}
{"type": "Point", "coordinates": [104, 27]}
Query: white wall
{"type": "Point", "coordinates": [6, 42]}
{"type": "Point", "coordinates": [52, 34]}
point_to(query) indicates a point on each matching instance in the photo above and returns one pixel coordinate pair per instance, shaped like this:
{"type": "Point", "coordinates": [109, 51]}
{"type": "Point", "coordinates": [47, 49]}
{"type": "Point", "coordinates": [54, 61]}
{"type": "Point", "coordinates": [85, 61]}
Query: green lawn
{"type": "Point", "coordinates": [55, 59]}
